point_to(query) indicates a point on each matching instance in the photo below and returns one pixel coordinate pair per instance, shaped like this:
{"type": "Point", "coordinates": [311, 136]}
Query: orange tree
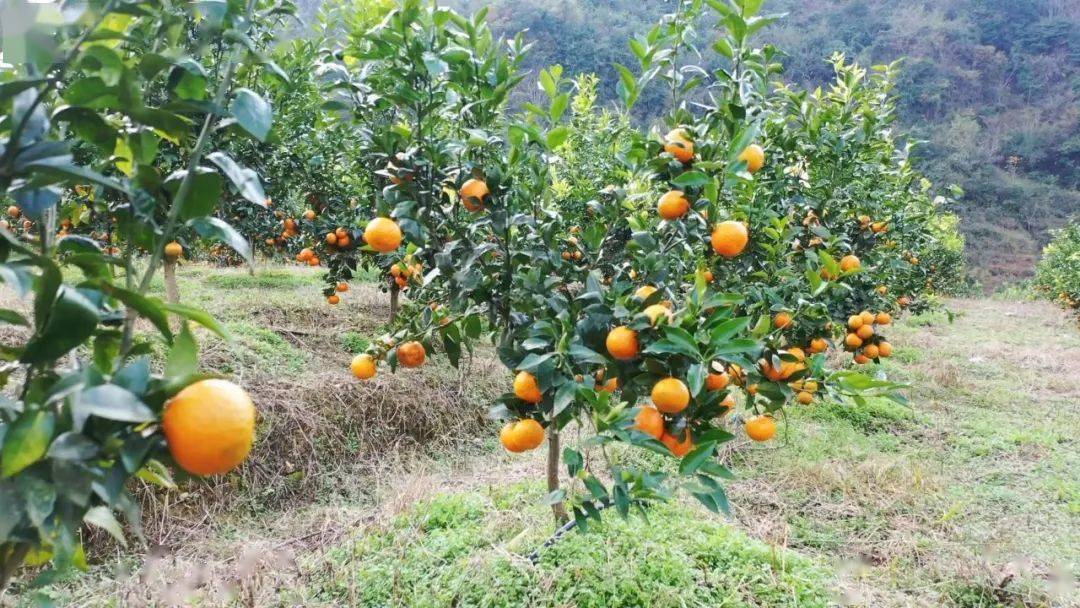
{"type": "Point", "coordinates": [85, 410]}
{"type": "Point", "coordinates": [1057, 276]}
{"type": "Point", "coordinates": [425, 87]}
{"type": "Point", "coordinates": [590, 323]}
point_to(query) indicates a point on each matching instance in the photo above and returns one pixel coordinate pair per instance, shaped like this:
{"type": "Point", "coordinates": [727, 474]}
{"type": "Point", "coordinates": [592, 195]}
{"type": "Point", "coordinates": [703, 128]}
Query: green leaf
{"type": "Point", "coordinates": [692, 461]}
{"type": "Point", "coordinates": [557, 137]}
{"type": "Point", "coordinates": [203, 194]}
{"type": "Point", "coordinates": [691, 179]}
{"type": "Point", "coordinates": [111, 402]}
{"type": "Point", "coordinates": [246, 181]}
{"type": "Point", "coordinates": [26, 442]}
{"type": "Point", "coordinates": [102, 517]}
{"type": "Point", "coordinates": [199, 316]}
{"type": "Point", "coordinates": [150, 308]}
{"type": "Point", "coordinates": [252, 113]}
{"type": "Point", "coordinates": [40, 498]}
{"type": "Point", "coordinates": [73, 446]}
{"type": "Point", "coordinates": [212, 227]}
{"type": "Point", "coordinates": [564, 397]}
{"type": "Point", "coordinates": [72, 319]}
{"type": "Point", "coordinates": [184, 355]}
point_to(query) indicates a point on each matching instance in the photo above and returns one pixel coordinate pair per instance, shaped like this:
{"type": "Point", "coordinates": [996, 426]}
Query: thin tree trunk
{"type": "Point", "coordinates": [11, 557]}
{"type": "Point", "coordinates": [395, 293]}
{"type": "Point", "coordinates": [554, 453]}
{"type": "Point", "coordinates": [172, 290]}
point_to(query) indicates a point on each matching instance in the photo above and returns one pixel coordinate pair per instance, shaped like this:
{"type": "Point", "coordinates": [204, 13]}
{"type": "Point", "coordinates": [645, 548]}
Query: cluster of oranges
{"type": "Point", "coordinates": [876, 227]}
{"type": "Point", "coordinates": [404, 271]}
{"type": "Point", "coordinates": [409, 354]}
{"type": "Point", "coordinates": [863, 339]}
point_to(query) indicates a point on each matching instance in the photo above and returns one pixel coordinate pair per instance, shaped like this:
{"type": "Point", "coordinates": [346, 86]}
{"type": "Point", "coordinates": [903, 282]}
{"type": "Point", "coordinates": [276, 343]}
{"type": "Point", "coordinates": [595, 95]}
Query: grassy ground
{"type": "Point", "coordinates": [395, 493]}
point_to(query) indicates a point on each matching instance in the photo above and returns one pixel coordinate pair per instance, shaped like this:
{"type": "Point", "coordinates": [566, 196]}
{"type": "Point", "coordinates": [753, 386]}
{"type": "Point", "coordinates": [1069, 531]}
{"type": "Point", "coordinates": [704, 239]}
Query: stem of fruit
{"type": "Point", "coordinates": [558, 509]}
{"type": "Point", "coordinates": [11, 557]}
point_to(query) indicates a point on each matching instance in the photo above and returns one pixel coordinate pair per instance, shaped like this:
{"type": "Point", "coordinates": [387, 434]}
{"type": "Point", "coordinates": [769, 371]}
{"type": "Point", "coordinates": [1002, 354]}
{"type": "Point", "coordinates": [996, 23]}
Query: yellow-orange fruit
{"type": "Point", "coordinates": [526, 388]}
{"type": "Point", "coordinates": [473, 193]}
{"type": "Point", "coordinates": [729, 238]}
{"type": "Point", "coordinates": [678, 448]}
{"type": "Point", "coordinates": [754, 156]}
{"type": "Point", "coordinates": [363, 366]}
{"type": "Point", "coordinates": [761, 428]}
{"type": "Point", "coordinates": [521, 435]}
{"type": "Point", "coordinates": [670, 395]}
{"type": "Point", "coordinates": [673, 205]}
{"type": "Point", "coordinates": [411, 354]}
{"type": "Point", "coordinates": [382, 234]}
{"type": "Point", "coordinates": [678, 144]}
{"type": "Point", "coordinates": [649, 421]}
{"type": "Point", "coordinates": [622, 343]}
{"type": "Point", "coordinates": [209, 427]}
{"type": "Point", "coordinates": [849, 263]}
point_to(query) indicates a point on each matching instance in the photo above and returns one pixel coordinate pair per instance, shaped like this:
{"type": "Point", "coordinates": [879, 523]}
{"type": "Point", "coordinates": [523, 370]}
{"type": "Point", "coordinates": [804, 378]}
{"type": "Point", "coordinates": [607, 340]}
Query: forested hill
{"type": "Point", "coordinates": [992, 87]}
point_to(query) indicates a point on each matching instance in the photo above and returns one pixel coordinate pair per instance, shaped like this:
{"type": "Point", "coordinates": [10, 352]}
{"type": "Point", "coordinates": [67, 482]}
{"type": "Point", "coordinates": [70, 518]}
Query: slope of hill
{"type": "Point", "coordinates": [992, 88]}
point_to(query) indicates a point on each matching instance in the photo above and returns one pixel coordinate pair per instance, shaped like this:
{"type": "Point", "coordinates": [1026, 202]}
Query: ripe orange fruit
{"type": "Point", "coordinates": [867, 317]}
{"type": "Point", "coordinates": [14, 211]}
{"type": "Point", "coordinates": [333, 300]}
{"type": "Point", "coordinates": [865, 332]}
{"type": "Point", "coordinates": [173, 250]}
{"type": "Point", "coordinates": [382, 234]}
{"type": "Point", "coordinates": [853, 341]}
{"type": "Point", "coordinates": [879, 227]}
{"type": "Point", "coordinates": [290, 225]}
{"type": "Point", "coordinates": [754, 157]}
{"type": "Point", "coordinates": [521, 435]}
{"type": "Point", "coordinates": [526, 388]}
{"type": "Point", "coordinates": [708, 276]}
{"type": "Point", "coordinates": [622, 343]}
{"type": "Point", "coordinates": [885, 349]}
{"type": "Point", "coordinates": [871, 351]}
{"type": "Point", "coordinates": [804, 398]}
{"type": "Point", "coordinates": [782, 320]}
{"type": "Point", "coordinates": [644, 292]}
{"type": "Point", "coordinates": [331, 239]}
{"type": "Point", "coordinates": [903, 301]}
{"type": "Point", "coordinates": [729, 401]}
{"type": "Point", "coordinates": [883, 318]}
{"type": "Point", "coordinates": [678, 448]}
{"type": "Point", "coordinates": [854, 322]}
{"type": "Point", "coordinates": [649, 421]}
{"type": "Point", "coordinates": [761, 428]}
{"type": "Point", "coordinates": [209, 427]}
{"type": "Point", "coordinates": [882, 290]}
{"type": "Point", "coordinates": [819, 345]}
{"type": "Point", "coordinates": [577, 255]}
{"type": "Point", "coordinates": [309, 215]}
{"type": "Point", "coordinates": [717, 382]}
{"type": "Point", "coordinates": [566, 256]}
{"type": "Point", "coordinates": [313, 261]}
{"type": "Point", "coordinates": [656, 311]}
{"type": "Point", "coordinates": [610, 386]}
{"type": "Point", "coordinates": [342, 287]}
{"type": "Point", "coordinates": [363, 366]}
{"type": "Point", "coordinates": [670, 395]}
{"type": "Point", "coordinates": [673, 205]}
{"type": "Point", "coordinates": [473, 193]}
{"type": "Point", "coordinates": [678, 144]}
{"type": "Point", "coordinates": [305, 255]}
{"type": "Point", "coordinates": [861, 359]}
{"type": "Point", "coordinates": [849, 263]}
{"type": "Point", "coordinates": [411, 354]}
{"type": "Point", "coordinates": [787, 368]}
{"type": "Point", "coordinates": [864, 220]}
{"type": "Point", "coordinates": [752, 389]}
{"type": "Point", "coordinates": [729, 238]}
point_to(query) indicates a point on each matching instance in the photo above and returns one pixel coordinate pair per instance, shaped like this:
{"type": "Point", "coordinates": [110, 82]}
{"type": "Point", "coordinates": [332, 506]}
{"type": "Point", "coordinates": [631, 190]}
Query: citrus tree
{"type": "Point", "coordinates": [1057, 277]}
{"type": "Point", "coordinates": [112, 105]}
{"type": "Point", "coordinates": [588, 320]}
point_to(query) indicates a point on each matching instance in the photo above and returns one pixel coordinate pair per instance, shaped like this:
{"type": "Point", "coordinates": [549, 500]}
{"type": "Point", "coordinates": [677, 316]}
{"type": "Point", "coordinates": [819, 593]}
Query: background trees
{"type": "Point", "coordinates": [991, 88]}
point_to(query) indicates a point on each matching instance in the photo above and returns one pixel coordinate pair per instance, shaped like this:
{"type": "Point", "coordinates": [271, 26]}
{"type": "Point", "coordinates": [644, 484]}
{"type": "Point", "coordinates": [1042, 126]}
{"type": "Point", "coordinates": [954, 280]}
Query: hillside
{"type": "Point", "coordinates": [993, 89]}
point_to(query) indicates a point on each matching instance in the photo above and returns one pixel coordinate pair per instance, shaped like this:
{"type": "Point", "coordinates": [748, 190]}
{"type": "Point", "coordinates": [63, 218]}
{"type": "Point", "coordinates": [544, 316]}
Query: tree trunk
{"type": "Point", "coordinates": [558, 509]}
{"type": "Point", "coordinates": [11, 557]}
{"type": "Point", "coordinates": [395, 293]}
{"type": "Point", "coordinates": [172, 290]}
